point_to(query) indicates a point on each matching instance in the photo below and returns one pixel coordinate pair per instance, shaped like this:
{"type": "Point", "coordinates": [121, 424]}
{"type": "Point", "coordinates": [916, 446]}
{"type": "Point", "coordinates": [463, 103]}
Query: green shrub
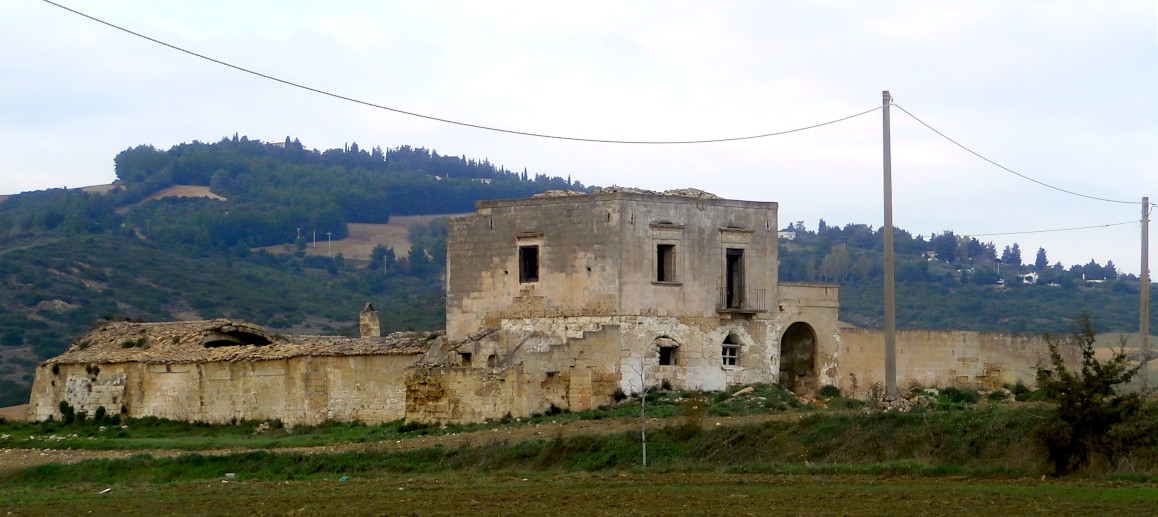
{"type": "Point", "coordinates": [1088, 403]}
{"type": "Point", "coordinates": [829, 392]}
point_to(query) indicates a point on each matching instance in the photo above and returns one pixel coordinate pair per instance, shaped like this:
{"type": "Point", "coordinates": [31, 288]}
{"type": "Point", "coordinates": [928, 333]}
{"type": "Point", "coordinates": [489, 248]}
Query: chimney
{"type": "Point", "coordinates": [368, 322]}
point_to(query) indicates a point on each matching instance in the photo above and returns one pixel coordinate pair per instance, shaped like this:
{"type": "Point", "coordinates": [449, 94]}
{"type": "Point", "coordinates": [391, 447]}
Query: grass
{"type": "Point", "coordinates": [156, 433]}
{"type": "Point", "coordinates": [923, 442]}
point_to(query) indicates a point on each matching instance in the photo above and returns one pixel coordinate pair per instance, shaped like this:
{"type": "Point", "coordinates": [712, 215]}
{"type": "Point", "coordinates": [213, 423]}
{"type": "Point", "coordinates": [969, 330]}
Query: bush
{"type": "Point", "coordinates": [829, 392]}
{"type": "Point", "coordinates": [1088, 403]}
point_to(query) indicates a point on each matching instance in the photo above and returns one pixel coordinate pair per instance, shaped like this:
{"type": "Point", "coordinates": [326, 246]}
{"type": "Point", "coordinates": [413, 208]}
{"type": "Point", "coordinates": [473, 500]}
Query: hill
{"type": "Point", "coordinates": [212, 230]}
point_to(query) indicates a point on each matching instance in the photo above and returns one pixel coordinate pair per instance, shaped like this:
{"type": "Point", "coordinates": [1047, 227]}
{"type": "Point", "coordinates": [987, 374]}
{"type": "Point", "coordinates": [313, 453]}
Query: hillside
{"type": "Point", "coordinates": [210, 230]}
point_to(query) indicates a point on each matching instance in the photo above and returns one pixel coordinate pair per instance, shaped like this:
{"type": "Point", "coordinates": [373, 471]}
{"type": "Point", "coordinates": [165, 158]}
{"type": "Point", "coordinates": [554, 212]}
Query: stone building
{"type": "Point", "coordinates": [582, 297]}
{"type": "Point", "coordinates": [222, 370]}
{"type": "Point", "coordinates": [562, 300]}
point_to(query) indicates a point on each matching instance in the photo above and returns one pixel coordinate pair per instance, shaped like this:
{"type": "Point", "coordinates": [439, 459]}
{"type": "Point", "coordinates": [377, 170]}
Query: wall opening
{"type": "Point", "coordinates": [734, 282]}
{"type": "Point", "coordinates": [668, 350]}
{"type": "Point", "coordinates": [665, 263]}
{"type": "Point", "coordinates": [798, 359]}
{"type": "Point", "coordinates": [528, 264]}
{"type": "Point", "coordinates": [730, 351]}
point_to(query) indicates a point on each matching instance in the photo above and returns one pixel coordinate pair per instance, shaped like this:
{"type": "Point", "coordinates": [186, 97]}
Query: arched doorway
{"type": "Point", "coordinates": [798, 359]}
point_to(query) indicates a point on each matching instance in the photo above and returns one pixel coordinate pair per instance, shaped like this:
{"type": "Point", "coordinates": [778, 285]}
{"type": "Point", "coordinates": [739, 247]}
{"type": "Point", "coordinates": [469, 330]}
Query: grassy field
{"type": "Point", "coordinates": [750, 451]}
{"type": "Point", "coordinates": [597, 494]}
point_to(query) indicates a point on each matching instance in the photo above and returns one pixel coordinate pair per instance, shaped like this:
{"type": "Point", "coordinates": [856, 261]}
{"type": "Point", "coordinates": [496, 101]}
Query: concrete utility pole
{"type": "Point", "coordinates": [890, 280]}
{"type": "Point", "coordinates": [329, 246]}
{"type": "Point", "coordinates": [1144, 303]}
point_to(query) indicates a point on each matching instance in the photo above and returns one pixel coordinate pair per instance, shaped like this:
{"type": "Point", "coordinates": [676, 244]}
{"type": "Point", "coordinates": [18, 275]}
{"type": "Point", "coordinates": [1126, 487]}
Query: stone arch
{"type": "Point", "coordinates": [798, 359]}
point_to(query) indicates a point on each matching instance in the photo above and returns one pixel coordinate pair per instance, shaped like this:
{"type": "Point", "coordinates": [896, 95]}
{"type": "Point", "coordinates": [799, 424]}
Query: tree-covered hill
{"type": "Point", "coordinates": [69, 258]}
{"type": "Point", "coordinates": [958, 283]}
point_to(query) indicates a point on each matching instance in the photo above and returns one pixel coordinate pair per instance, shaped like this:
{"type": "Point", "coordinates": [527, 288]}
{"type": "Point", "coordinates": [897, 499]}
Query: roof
{"type": "Point", "coordinates": [224, 340]}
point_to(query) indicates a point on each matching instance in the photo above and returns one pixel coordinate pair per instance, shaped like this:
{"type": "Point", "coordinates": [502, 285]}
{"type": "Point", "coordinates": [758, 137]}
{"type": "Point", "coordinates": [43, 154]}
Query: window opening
{"type": "Point", "coordinates": [665, 263]}
{"type": "Point", "coordinates": [666, 356]}
{"type": "Point", "coordinates": [465, 358]}
{"type": "Point", "coordinates": [528, 264]}
{"type": "Point", "coordinates": [734, 271]}
{"type": "Point", "coordinates": [730, 352]}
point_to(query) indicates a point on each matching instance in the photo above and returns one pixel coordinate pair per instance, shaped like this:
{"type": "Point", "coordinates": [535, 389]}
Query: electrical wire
{"type": "Point", "coordinates": [450, 121]}
{"type": "Point", "coordinates": [1007, 169]}
{"type": "Point", "coordinates": [1048, 231]}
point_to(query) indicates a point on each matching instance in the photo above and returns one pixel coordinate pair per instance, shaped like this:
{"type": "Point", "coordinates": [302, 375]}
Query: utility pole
{"type": "Point", "coordinates": [329, 246]}
{"type": "Point", "coordinates": [1144, 303]}
{"type": "Point", "coordinates": [890, 280]}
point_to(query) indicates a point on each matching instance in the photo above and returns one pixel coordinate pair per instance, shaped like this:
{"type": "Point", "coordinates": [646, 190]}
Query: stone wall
{"type": "Point", "coordinates": [300, 390]}
{"type": "Point", "coordinates": [975, 360]}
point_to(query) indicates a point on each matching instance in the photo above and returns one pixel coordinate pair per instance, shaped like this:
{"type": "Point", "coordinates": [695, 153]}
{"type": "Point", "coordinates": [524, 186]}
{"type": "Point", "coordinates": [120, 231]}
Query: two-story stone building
{"type": "Point", "coordinates": [588, 295]}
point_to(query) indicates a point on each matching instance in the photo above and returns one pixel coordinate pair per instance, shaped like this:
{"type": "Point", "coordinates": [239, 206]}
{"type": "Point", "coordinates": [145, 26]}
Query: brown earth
{"type": "Point", "coordinates": [362, 237]}
{"type": "Point", "coordinates": [16, 413]}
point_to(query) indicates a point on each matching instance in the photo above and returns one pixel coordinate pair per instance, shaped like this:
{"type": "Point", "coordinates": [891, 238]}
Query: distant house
{"type": "Point", "coordinates": [787, 235]}
{"type": "Point", "coordinates": [1029, 278]}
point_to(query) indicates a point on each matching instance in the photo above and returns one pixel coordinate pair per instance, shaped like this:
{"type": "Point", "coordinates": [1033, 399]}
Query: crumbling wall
{"type": "Point", "coordinates": [300, 390]}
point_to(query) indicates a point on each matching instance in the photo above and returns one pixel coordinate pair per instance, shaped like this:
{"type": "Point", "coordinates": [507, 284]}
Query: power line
{"type": "Point", "coordinates": [449, 121]}
{"type": "Point", "coordinates": [1048, 231]}
{"type": "Point", "coordinates": [1007, 169]}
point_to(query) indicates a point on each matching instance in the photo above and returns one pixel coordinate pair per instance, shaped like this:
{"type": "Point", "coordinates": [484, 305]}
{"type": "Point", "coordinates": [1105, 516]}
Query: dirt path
{"type": "Point", "coordinates": [22, 458]}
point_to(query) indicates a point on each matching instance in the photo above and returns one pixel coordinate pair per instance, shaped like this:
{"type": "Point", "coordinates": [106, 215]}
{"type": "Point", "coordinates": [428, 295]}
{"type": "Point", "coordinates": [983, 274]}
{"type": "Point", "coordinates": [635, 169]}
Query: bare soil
{"type": "Point", "coordinates": [362, 237]}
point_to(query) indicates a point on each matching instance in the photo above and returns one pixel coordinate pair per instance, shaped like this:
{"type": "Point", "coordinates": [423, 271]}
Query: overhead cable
{"type": "Point", "coordinates": [1007, 169]}
{"type": "Point", "coordinates": [1048, 231]}
{"type": "Point", "coordinates": [456, 122]}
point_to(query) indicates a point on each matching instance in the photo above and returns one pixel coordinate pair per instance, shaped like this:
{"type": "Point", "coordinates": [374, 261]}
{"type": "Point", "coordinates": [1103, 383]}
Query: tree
{"type": "Point", "coordinates": [945, 245]}
{"type": "Point", "coordinates": [1088, 401]}
{"type": "Point", "coordinates": [1042, 262]}
{"type": "Point", "coordinates": [1011, 255]}
{"type": "Point", "coordinates": [837, 264]}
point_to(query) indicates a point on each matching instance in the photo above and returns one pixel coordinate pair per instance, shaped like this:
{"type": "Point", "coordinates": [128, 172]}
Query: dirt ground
{"type": "Point", "coordinates": [16, 413]}
{"type": "Point", "coordinates": [362, 237]}
{"type": "Point", "coordinates": [11, 458]}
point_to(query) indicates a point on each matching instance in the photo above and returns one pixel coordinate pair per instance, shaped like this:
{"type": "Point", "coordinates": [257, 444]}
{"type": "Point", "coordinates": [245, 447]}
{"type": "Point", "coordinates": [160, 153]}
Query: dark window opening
{"type": "Point", "coordinates": [465, 358]}
{"type": "Point", "coordinates": [734, 285]}
{"type": "Point", "coordinates": [730, 351]}
{"type": "Point", "coordinates": [665, 263]}
{"type": "Point", "coordinates": [492, 361]}
{"type": "Point", "coordinates": [528, 264]}
{"type": "Point", "coordinates": [667, 356]}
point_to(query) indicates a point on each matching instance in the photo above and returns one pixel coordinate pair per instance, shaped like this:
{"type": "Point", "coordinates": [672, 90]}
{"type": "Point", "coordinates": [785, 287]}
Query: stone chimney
{"type": "Point", "coordinates": [368, 321]}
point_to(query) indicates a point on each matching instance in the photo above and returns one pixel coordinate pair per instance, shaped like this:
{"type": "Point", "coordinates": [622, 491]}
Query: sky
{"type": "Point", "coordinates": [1062, 92]}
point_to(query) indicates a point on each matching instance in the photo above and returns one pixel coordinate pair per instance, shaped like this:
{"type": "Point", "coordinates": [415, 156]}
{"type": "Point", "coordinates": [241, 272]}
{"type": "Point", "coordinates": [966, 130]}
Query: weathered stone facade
{"type": "Point", "coordinates": [593, 295]}
{"type": "Point", "coordinates": [221, 370]}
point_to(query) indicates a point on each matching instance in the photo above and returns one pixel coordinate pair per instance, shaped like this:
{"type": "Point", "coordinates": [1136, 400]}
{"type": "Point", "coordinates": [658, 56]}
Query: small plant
{"type": "Point", "coordinates": [829, 391]}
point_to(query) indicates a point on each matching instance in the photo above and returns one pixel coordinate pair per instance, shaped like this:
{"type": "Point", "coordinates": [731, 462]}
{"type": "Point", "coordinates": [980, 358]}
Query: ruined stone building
{"type": "Point", "coordinates": [563, 300]}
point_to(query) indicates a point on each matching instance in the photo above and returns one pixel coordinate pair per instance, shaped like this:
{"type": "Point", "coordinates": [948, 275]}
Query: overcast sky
{"type": "Point", "coordinates": [1063, 92]}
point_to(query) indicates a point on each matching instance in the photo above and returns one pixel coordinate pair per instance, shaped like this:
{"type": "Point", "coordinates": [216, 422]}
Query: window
{"type": "Point", "coordinates": [730, 352]}
{"type": "Point", "coordinates": [734, 284]}
{"type": "Point", "coordinates": [667, 356]}
{"type": "Point", "coordinates": [665, 263]}
{"type": "Point", "coordinates": [528, 264]}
